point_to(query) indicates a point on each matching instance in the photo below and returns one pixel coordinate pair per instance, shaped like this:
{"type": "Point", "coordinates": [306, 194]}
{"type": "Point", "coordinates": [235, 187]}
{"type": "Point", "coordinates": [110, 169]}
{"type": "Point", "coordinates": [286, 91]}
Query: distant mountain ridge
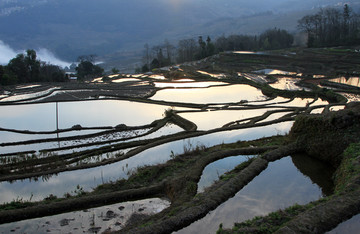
{"type": "Point", "coordinates": [70, 28]}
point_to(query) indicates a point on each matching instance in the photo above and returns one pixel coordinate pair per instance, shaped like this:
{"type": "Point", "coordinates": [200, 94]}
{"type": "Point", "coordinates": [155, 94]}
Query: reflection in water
{"type": "Point", "coordinates": [319, 172]}
{"type": "Point", "coordinates": [125, 80]}
{"type": "Point", "coordinates": [317, 111]}
{"type": "Point", "coordinates": [274, 72]}
{"type": "Point", "coordinates": [26, 86]}
{"type": "Point", "coordinates": [244, 52]}
{"type": "Point", "coordinates": [37, 117]}
{"type": "Point", "coordinates": [279, 186]}
{"type": "Point", "coordinates": [351, 226]}
{"type": "Point", "coordinates": [158, 77]}
{"type": "Point", "coordinates": [254, 77]}
{"type": "Point", "coordinates": [108, 113]}
{"type": "Point", "coordinates": [218, 76]}
{"type": "Point", "coordinates": [213, 171]}
{"type": "Point", "coordinates": [285, 83]}
{"type": "Point", "coordinates": [351, 97]}
{"type": "Point", "coordinates": [188, 84]}
{"type": "Point", "coordinates": [222, 94]}
{"type": "Point", "coordinates": [336, 108]}
{"type": "Point", "coordinates": [90, 178]}
{"type": "Point", "coordinates": [216, 119]}
{"type": "Point", "coordinates": [27, 96]}
{"type": "Point", "coordinates": [353, 81]}
{"type": "Point", "coordinates": [96, 220]}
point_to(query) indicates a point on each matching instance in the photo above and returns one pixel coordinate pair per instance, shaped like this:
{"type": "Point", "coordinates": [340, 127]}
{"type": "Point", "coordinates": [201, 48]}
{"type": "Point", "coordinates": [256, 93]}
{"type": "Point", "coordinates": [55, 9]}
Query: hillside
{"type": "Point", "coordinates": [72, 28]}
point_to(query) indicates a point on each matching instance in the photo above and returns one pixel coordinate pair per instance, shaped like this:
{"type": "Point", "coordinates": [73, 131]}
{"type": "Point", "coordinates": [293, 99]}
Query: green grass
{"type": "Point", "coordinates": [349, 169]}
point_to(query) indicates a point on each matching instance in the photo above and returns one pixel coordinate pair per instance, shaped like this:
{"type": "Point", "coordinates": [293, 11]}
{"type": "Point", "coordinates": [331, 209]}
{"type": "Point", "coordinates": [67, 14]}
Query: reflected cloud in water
{"type": "Point", "coordinates": [278, 187]}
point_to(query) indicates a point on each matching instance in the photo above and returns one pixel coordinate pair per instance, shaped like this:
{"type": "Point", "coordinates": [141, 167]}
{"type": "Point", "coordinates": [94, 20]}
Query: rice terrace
{"type": "Point", "coordinates": [236, 142]}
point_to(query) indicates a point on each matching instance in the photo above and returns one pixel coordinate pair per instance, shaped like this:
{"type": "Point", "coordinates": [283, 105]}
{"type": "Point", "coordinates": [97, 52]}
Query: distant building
{"type": "Point", "coordinates": [71, 76]}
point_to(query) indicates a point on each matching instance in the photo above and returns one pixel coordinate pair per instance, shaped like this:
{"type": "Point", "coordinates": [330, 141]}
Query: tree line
{"type": "Point", "coordinates": [331, 27]}
{"type": "Point", "coordinates": [87, 69]}
{"type": "Point", "coordinates": [194, 49]}
{"type": "Point", "coordinates": [26, 68]}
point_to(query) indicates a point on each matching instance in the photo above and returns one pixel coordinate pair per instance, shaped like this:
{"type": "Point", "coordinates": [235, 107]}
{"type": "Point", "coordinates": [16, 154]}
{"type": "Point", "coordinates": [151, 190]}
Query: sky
{"type": "Point", "coordinates": [7, 53]}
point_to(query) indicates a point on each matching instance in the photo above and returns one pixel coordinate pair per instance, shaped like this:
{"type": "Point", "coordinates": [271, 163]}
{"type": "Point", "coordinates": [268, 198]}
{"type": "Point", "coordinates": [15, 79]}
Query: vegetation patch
{"type": "Point", "coordinates": [347, 177]}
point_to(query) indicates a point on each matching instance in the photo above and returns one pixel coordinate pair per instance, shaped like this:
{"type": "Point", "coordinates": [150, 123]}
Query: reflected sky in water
{"type": "Point", "coordinates": [351, 226]}
{"type": "Point", "coordinates": [279, 186]}
{"type": "Point", "coordinates": [187, 84]}
{"type": "Point", "coordinates": [213, 171]}
{"type": "Point", "coordinates": [216, 119]}
{"type": "Point", "coordinates": [36, 117]}
{"type": "Point", "coordinates": [353, 81]}
{"type": "Point", "coordinates": [42, 117]}
{"type": "Point", "coordinates": [113, 217]}
{"type": "Point", "coordinates": [108, 113]}
{"type": "Point", "coordinates": [90, 178]}
{"type": "Point", "coordinates": [223, 94]}
{"type": "Point", "coordinates": [286, 83]}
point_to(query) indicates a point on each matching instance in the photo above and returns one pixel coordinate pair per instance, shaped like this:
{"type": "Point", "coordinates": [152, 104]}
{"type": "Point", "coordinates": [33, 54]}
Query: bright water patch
{"type": "Point", "coordinates": [216, 119]}
{"type": "Point", "coordinates": [213, 171]}
{"type": "Point", "coordinates": [188, 84]}
{"type": "Point", "coordinates": [275, 116]}
{"type": "Point", "coordinates": [35, 117]}
{"type": "Point", "coordinates": [124, 80]}
{"type": "Point", "coordinates": [27, 86]}
{"type": "Point", "coordinates": [27, 96]}
{"type": "Point", "coordinates": [244, 52]}
{"type": "Point", "coordinates": [353, 81]}
{"type": "Point", "coordinates": [218, 76]}
{"type": "Point", "coordinates": [42, 117]}
{"type": "Point", "coordinates": [297, 102]}
{"type": "Point", "coordinates": [254, 77]}
{"type": "Point", "coordinates": [108, 113]}
{"type": "Point", "coordinates": [274, 72]}
{"type": "Point", "coordinates": [285, 83]}
{"type": "Point", "coordinates": [351, 97]}
{"type": "Point", "coordinates": [222, 94]}
{"type": "Point", "coordinates": [337, 108]}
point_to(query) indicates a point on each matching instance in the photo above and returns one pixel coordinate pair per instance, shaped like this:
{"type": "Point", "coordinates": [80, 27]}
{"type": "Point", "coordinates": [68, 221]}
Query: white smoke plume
{"type": "Point", "coordinates": [7, 53]}
{"type": "Point", "coordinates": [47, 56]}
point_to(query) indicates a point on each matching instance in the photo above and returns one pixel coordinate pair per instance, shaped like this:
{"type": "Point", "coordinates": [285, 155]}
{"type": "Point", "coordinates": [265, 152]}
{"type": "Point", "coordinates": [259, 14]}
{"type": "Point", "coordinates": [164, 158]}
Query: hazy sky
{"type": "Point", "coordinates": [67, 29]}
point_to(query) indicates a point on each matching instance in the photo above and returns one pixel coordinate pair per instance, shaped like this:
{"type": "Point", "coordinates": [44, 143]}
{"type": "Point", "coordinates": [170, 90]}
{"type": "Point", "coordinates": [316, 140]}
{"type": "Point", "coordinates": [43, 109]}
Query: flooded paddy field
{"type": "Point", "coordinates": [265, 195]}
{"type": "Point", "coordinates": [73, 155]}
